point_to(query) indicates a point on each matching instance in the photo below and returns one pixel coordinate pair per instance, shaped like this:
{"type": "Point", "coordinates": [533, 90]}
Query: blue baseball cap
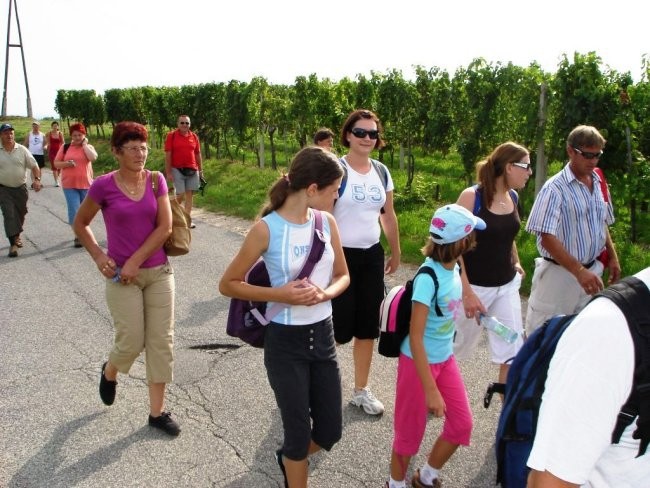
{"type": "Point", "coordinates": [5, 127]}
{"type": "Point", "coordinates": [452, 223]}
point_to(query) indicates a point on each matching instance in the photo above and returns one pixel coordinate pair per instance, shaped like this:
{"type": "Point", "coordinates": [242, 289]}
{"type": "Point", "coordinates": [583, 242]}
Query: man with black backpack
{"type": "Point", "coordinates": [580, 439]}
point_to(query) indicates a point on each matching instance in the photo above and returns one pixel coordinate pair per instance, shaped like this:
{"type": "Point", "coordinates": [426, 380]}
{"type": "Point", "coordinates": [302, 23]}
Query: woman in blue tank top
{"type": "Point", "coordinates": [299, 347]}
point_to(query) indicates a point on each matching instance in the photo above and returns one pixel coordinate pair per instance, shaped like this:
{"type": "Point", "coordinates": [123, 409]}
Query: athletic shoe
{"type": "Point", "coordinates": [366, 400]}
{"type": "Point", "coordinates": [278, 458]}
{"type": "Point", "coordinates": [165, 423]}
{"type": "Point", "coordinates": [192, 225]}
{"type": "Point", "coordinates": [107, 388]}
{"type": "Point", "coordinates": [416, 483]}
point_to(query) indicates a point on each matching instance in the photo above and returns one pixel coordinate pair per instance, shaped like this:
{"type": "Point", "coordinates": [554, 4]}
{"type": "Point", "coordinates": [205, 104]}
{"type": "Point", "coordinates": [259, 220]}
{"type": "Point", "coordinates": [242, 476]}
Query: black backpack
{"type": "Point", "coordinates": [66, 146]}
{"type": "Point", "coordinates": [527, 377]}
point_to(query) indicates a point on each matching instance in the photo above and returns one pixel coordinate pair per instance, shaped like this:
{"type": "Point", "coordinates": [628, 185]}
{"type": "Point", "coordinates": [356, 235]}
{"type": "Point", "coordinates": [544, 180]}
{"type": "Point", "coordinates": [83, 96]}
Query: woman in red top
{"type": "Point", "coordinates": [54, 140]}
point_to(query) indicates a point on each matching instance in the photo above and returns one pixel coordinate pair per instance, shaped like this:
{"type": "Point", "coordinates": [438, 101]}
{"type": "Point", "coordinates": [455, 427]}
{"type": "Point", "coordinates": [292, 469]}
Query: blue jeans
{"type": "Point", "coordinates": [73, 197]}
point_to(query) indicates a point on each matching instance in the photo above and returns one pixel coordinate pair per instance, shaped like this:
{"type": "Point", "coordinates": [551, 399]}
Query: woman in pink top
{"type": "Point", "coordinates": [139, 279]}
{"type": "Point", "coordinates": [75, 164]}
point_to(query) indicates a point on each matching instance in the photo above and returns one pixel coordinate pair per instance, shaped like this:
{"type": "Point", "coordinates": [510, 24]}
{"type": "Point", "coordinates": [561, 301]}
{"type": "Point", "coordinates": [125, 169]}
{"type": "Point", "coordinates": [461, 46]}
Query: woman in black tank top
{"type": "Point", "coordinates": [491, 272]}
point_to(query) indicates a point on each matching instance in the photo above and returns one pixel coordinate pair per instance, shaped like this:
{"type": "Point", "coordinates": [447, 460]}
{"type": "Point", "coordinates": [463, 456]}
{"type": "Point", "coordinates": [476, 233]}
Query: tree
{"type": "Point", "coordinates": [435, 109]}
{"type": "Point", "coordinates": [475, 94]}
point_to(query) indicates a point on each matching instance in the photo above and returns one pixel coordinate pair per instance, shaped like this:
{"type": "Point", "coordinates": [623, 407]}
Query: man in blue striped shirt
{"type": "Point", "coordinates": [570, 218]}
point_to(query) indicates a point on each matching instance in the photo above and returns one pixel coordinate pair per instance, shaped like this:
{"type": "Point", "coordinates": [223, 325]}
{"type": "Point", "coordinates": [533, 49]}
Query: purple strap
{"type": "Point", "coordinates": [316, 249]}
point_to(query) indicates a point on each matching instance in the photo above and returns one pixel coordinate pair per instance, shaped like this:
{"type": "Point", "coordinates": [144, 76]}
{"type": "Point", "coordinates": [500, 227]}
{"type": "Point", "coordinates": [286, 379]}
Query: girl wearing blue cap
{"type": "Point", "coordinates": [428, 378]}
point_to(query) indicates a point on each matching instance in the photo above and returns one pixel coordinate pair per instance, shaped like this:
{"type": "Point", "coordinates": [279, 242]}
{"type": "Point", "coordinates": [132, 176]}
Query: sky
{"type": "Point", "coordinates": [103, 44]}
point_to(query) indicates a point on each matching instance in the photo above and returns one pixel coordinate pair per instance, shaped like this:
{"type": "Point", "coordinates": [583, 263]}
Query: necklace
{"type": "Point", "coordinates": [130, 191]}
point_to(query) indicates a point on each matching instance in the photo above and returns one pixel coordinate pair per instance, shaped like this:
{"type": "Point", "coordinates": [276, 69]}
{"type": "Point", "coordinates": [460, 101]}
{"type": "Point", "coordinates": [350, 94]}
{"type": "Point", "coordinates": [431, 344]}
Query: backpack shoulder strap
{"type": "Point", "coordinates": [382, 171]}
{"type": "Point", "coordinates": [66, 146]}
{"type": "Point", "coordinates": [344, 180]}
{"type": "Point", "coordinates": [379, 167]}
{"type": "Point", "coordinates": [429, 271]}
{"type": "Point", "coordinates": [316, 249]}
{"type": "Point", "coordinates": [478, 196]}
{"type": "Point", "coordinates": [631, 295]}
{"type": "Point", "coordinates": [154, 183]}
{"type": "Point", "coordinates": [514, 196]}
{"type": "Point", "coordinates": [603, 184]}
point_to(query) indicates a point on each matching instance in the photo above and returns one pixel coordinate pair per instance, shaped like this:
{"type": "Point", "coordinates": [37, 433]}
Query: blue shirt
{"type": "Point", "coordinates": [567, 209]}
{"type": "Point", "coordinates": [439, 331]}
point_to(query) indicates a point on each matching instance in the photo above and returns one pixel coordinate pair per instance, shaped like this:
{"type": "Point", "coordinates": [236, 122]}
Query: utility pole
{"type": "Point", "coordinates": [12, 4]}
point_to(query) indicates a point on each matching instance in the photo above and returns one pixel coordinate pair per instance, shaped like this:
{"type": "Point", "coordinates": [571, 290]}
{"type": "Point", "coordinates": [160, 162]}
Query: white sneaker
{"type": "Point", "coordinates": [366, 400]}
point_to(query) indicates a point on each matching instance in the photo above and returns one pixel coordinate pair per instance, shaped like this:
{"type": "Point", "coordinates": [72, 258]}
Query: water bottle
{"type": "Point", "coordinates": [503, 331]}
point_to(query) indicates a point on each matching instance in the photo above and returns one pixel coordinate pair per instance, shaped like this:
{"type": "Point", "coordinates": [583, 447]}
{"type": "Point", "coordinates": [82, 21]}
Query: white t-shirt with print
{"type": "Point", "coordinates": [357, 210]}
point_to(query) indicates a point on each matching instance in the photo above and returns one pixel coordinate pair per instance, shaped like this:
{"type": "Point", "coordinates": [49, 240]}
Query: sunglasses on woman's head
{"type": "Point", "coordinates": [362, 133]}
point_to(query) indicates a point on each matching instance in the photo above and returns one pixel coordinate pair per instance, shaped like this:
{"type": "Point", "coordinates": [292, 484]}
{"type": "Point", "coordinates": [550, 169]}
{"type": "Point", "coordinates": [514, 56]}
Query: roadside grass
{"type": "Point", "coordinates": [239, 189]}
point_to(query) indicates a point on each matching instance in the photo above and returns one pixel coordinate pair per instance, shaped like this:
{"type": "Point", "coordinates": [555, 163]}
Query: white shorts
{"type": "Point", "coordinates": [504, 303]}
{"type": "Point", "coordinates": [555, 291]}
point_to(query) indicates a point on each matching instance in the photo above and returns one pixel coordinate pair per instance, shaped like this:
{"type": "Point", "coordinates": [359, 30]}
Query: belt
{"type": "Point", "coordinates": [586, 265]}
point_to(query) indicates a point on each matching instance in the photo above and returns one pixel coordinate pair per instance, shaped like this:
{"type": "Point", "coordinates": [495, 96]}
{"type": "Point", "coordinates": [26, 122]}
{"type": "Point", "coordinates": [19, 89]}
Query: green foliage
{"type": "Point", "coordinates": [582, 93]}
{"type": "Point", "coordinates": [81, 105]}
{"type": "Point", "coordinates": [440, 124]}
{"type": "Point", "coordinates": [236, 189]}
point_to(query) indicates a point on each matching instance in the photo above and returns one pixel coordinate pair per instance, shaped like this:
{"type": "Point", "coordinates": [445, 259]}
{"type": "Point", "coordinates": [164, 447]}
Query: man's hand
{"type": "Point", "coordinates": [590, 282]}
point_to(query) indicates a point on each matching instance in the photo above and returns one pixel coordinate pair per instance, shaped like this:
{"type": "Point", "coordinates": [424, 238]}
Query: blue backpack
{"type": "Point", "coordinates": [527, 377]}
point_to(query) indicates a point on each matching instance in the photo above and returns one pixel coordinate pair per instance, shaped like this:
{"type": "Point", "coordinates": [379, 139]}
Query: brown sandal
{"type": "Point", "coordinates": [18, 241]}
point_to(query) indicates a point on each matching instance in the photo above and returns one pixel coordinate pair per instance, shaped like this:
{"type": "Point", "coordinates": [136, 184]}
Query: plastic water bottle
{"type": "Point", "coordinates": [503, 331]}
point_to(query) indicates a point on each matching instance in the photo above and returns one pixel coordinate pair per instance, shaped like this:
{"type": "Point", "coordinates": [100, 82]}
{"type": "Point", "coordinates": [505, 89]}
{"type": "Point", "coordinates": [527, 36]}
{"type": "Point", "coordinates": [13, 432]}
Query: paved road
{"type": "Point", "coordinates": [55, 332]}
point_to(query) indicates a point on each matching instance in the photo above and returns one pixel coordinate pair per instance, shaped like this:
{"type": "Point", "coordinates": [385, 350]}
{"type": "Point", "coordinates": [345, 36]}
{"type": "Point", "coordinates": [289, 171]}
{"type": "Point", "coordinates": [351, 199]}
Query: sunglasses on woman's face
{"type": "Point", "coordinates": [360, 133]}
{"type": "Point", "coordinates": [522, 165]}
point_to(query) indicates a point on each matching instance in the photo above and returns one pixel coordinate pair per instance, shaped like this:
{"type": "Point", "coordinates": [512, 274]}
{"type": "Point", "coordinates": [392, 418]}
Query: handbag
{"type": "Point", "coordinates": [179, 240]}
{"type": "Point", "coordinates": [247, 320]}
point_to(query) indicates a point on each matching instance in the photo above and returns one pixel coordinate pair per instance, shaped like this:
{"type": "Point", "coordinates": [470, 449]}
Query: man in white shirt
{"type": "Point", "coordinates": [36, 143]}
{"type": "Point", "coordinates": [589, 379]}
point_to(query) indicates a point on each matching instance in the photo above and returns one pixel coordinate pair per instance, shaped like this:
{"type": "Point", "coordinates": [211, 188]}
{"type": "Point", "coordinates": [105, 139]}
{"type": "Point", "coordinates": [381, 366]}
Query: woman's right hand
{"type": "Point", "coordinates": [106, 266]}
{"type": "Point", "coordinates": [472, 305]}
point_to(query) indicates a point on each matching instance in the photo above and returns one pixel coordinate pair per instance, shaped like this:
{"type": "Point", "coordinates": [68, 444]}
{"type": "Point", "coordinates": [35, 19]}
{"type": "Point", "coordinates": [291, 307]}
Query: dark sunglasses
{"type": "Point", "coordinates": [588, 155]}
{"type": "Point", "coordinates": [361, 133]}
{"type": "Point", "coordinates": [522, 164]}
{"type": "Point", "coordinates": [184, 123]}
